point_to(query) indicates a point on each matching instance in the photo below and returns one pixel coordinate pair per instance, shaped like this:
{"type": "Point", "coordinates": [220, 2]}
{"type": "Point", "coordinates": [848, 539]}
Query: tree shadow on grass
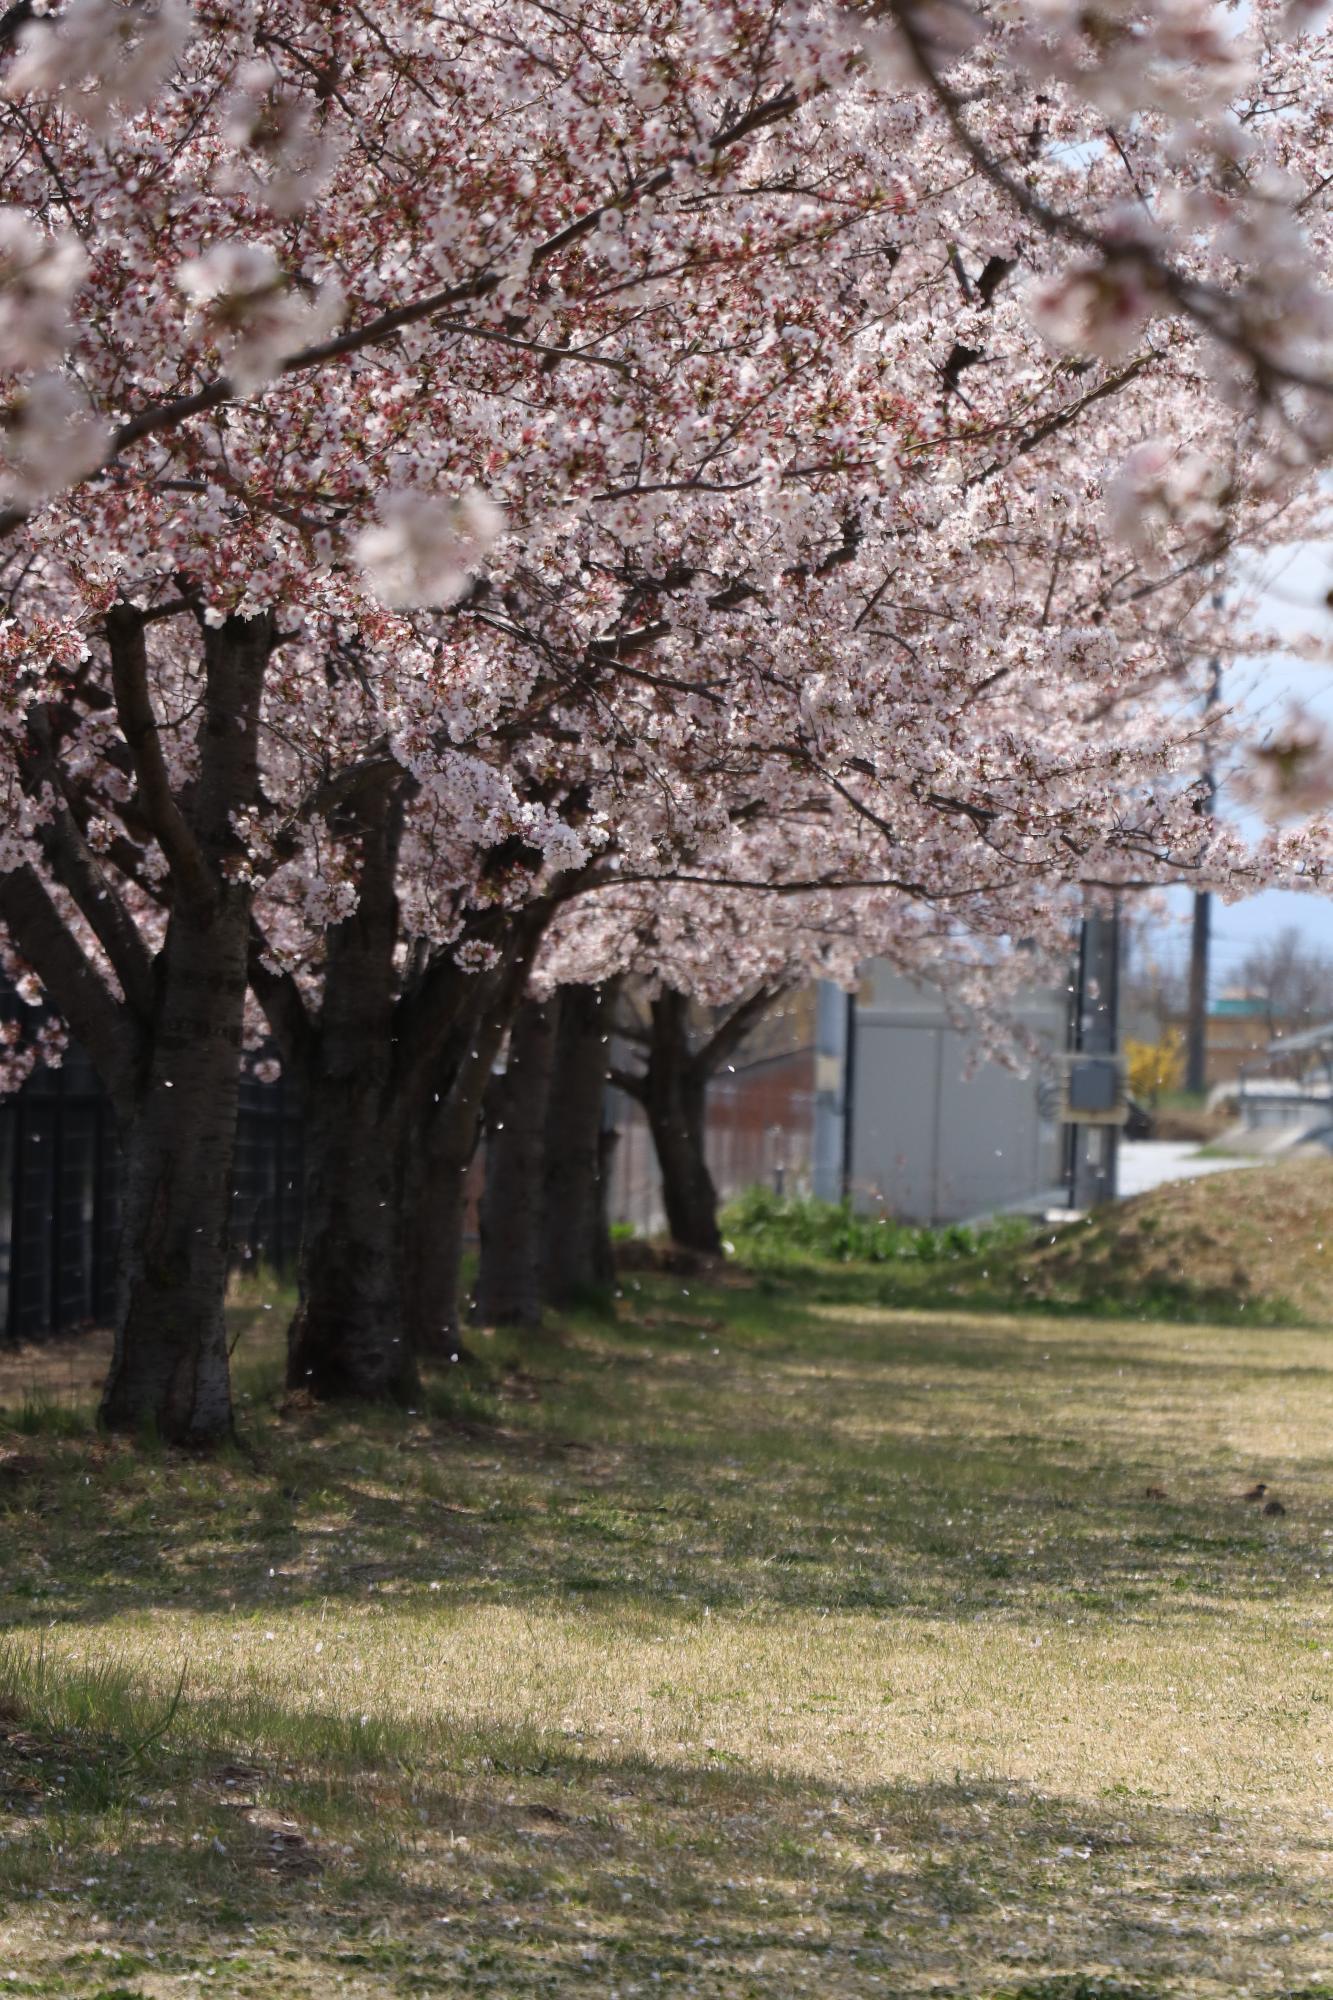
{"type": "Point", "coordinates": [1090, 1282]}
{"type": "Point", "coordinates": [290, 1850]}
{"type": "Point", "coordinates": [809, 1466]}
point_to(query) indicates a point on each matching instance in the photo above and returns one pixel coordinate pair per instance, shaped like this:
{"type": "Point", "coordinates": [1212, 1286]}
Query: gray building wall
{"type": "Point", "coordinates": [930, 1142]}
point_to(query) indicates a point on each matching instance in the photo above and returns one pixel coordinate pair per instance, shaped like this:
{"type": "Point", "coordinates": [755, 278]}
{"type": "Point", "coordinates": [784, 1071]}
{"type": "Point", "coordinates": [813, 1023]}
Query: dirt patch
{"type": "Point", "coordinates": [69, 1369]}
{"type": "Point", "coordinates": [1196, 1128]}
{"type": "Point", "coordinates": [639, 1253]}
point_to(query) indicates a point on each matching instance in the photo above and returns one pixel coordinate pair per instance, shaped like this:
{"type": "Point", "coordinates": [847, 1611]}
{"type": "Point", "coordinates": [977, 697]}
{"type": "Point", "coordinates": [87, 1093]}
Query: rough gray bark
{"type": "Point", "coordinates": [434, 1225]}
{"type": "Point", "coordinates": [169, 1369]}
{"type": "Point", "coordinates": [169, 1364]}
{"type": "Point", "coordinates": [444, 1145]}
{"type": "Point", "coordinates": [348, 1336]}
{"type": "Point", "coordinates": [388, 1046]}
{"type": "Point", "coordinates": [509, 1289]}
{"type": "Point", "coordinates": [433, 1207]}
{"type": "Point", "coordinates": [577, 1264]}
{"type": "Point", "coordinates": [676, 1104]}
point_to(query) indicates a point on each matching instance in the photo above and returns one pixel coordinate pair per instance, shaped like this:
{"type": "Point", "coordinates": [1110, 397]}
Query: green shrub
{"type": "Point", "coordinates": [768, 1227]}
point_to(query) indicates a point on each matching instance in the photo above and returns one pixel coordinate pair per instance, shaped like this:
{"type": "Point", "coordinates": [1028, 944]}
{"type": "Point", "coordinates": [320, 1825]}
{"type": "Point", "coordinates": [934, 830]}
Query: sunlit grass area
{"type": "Point", "coordinates": [749, 1646]}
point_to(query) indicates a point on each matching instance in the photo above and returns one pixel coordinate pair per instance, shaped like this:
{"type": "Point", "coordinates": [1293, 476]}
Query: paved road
{"type": "Point", "coordinates": [1150, 1163]}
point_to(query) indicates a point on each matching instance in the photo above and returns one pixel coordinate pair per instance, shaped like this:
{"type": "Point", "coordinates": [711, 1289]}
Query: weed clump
{"type": "Point", "coordinates": [766, 1228]}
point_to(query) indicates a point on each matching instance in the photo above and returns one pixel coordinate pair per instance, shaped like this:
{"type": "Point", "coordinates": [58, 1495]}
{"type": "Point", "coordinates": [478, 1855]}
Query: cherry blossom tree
{"type": "Point", "coordinates": [242, 254]}
{"type": "Point", "coordinates": [456, 459]}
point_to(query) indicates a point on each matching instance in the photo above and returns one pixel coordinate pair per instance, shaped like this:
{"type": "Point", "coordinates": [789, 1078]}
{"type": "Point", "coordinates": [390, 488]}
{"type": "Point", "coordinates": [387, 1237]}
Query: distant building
{"type": "Point", "coordinates": [937, 1134]}
{"type": "Point", "coordinates": [1238, 1031]}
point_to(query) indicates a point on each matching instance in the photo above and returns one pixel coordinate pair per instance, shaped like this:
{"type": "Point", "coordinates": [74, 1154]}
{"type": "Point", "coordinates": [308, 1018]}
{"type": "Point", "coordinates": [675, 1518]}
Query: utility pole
{"type": "Point", "coordinates": [832, 1106]}
{"type": "Point", "coordinates": [1093, 1148]}
{"type": "Point", "coordinates": [1196, 1029]}
{"type": "Point", "coordinates": [1196, 1019]}
{"type": "Point", "coordinates": [849, 1095]}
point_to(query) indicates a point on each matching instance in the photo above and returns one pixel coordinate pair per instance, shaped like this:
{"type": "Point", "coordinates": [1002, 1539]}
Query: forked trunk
{"type": "Point", "coordinates": [509, 1277]}
{"type": "Point", "coordinates": [169, 1367]}
{"type": "Point", "coordinates": [444, 1139]}
{"type": "Point", "coordinates": [576, 1241]}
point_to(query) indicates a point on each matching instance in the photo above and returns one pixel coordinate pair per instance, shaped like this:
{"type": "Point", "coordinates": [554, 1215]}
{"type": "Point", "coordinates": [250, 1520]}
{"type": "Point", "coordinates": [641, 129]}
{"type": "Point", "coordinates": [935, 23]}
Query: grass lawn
{"type": "Point", "coordinates": [752, 1647]}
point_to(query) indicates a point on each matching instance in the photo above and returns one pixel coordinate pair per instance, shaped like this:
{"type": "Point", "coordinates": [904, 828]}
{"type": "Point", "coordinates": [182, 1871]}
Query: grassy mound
{"type": "Point", "coordinates": [1256, 1242]}
{"type": "Point", "coordinates": [1253, 1245]}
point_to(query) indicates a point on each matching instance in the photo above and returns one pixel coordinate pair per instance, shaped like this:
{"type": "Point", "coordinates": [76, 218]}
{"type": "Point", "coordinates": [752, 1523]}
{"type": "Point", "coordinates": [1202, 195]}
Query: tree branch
{"type": "Point", "coordinates": [169, 415]}
{"type": "Point", "coordinates": [13, 20]}
{"type": "Point", "coordinates": [94, 1017]}
{"type": "Point", "coordinates": [728, 1036]}
{"type": "Point", "coordinates": [139, 727]}
{"type": "Point", "coordinates": [80, 874]}
{"type": "Point", "coordinates": [633, 1085]}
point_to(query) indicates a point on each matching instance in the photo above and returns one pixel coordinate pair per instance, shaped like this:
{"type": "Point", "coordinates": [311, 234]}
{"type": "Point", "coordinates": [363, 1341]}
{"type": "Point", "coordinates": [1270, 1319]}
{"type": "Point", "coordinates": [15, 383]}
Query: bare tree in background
{"type": "Point", "coordinates": [1292, 978]}
{"type": "Point", "coordinates": [1154, 983]}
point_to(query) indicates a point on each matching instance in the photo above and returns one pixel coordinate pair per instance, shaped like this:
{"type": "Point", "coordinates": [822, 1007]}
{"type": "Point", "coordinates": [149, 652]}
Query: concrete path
{"type": "Point", "coordinates": [1149, 1163]}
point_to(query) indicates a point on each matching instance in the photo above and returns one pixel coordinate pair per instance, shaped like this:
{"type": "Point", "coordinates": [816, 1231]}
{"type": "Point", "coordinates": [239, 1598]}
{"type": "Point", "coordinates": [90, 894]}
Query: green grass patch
{"type": "Point", "coordinates": [45, 1413]}
{"type": "Point", "coordinates": [767, 1228]}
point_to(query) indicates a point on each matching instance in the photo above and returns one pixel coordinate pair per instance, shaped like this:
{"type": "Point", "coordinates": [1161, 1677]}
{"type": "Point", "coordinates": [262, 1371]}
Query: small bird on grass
{"type": "Point", "coordinates": [1256, 1492]}
{"type": "Point", "coordinates": [1274, 1507]}
{"type": "Point", "coordinates": [1155, 1493]}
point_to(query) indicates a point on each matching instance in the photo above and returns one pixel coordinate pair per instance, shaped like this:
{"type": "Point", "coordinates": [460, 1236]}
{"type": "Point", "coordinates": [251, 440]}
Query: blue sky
{"type": "Point", "coordinates": [1294, 588]}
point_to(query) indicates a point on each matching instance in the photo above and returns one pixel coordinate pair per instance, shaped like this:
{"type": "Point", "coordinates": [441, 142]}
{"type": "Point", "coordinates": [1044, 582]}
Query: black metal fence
{"type": "Point", "coordinates": [59, 1183]}
{"type": "Point", "coordinates": [266, 1177]}
{"type": "Point", "coordinates": [58, 1187]}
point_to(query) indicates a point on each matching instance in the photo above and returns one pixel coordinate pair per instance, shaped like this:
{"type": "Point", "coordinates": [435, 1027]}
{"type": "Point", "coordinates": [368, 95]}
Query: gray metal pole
{"type": "Point", "coordinates": [1096, 1033]}
{"type": "Point", "coordinates": [849, 1097]}
{"type": "Point", "coordinates": [1196, 1029]}
{"type": "Point", "coordinates": [830, 1090]}
{"type": "Point", "coordinates": [1196, 1018]}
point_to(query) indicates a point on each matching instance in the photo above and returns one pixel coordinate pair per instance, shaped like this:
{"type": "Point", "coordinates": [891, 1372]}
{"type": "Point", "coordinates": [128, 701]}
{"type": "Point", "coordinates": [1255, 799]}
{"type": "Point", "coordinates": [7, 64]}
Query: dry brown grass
{"type": "Point", "coordinates": [775, 1648]}
{"type": "Point", "coordinates": [1259, 1238]}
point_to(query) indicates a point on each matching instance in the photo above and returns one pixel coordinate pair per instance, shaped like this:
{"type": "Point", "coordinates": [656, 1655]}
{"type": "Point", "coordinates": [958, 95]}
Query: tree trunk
{"type": "Point", "coordinates": [349, 1334]}
{"type": "Point", "coordinates": [676, 1116]}
{"type": "Point", "coordinates": [675, 1100]}
{"type": "Point", "coordinates": [509, 1278]}
{"type": "Point", "coordinates": [434, 1212]}
{"type": "Point", "coordinates": [169, 1363]}
{"type": "Point", "coordinates": [576, 1241]}
{"type": "Point", "coordinates": [169, 1367]}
